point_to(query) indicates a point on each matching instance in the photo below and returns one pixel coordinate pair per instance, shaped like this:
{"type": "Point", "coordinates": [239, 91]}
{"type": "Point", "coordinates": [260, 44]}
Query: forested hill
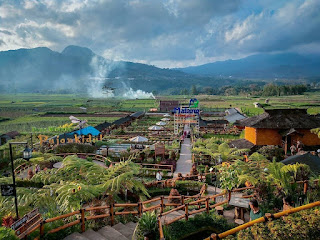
{"type": "Point", "coordinates": [76, 69]}
{"type": "Point", "coordinates": [263, 66]}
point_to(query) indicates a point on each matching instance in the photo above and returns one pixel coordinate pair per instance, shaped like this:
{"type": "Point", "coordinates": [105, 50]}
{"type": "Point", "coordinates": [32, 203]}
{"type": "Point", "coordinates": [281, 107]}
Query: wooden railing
{"type": "Point", "coordinates": [80, 216]}
{"type": "Point", "coordinates": [200, 202]}
{"type": "Point", "coordinates": [140, 208]}
{"type": "Point", "coordinates": [21, 168]}
{"type": "Point", "coordinates": [267, 217]}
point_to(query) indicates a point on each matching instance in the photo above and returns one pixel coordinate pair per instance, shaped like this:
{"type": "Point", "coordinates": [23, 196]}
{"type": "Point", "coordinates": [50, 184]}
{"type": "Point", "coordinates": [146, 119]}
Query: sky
{"type": "Point", "coordinates": [164, 33]}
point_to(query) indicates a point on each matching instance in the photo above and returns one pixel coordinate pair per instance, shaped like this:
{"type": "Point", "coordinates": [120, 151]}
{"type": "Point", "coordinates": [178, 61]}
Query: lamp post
{"type": "Point", "coordinates": [27, 156]}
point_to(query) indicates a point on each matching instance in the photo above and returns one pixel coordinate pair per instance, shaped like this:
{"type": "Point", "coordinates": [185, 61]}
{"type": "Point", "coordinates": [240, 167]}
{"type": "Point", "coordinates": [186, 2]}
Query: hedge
{"type": "Point", "coordinates": [300, 225]}
{"type": "Point", "coordinates": [201, 222]}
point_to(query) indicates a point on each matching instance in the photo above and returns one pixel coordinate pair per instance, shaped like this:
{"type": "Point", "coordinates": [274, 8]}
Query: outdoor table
{"type": "Point", "coordinates": [240, 205]}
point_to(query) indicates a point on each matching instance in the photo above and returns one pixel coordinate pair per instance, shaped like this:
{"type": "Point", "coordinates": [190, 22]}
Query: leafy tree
{"type": "Point", "coordinates": [124, 176]}
{"type": "Point", "coordinates": [194, 90]}
{"type": "Point", "coordinates": [208, 90]}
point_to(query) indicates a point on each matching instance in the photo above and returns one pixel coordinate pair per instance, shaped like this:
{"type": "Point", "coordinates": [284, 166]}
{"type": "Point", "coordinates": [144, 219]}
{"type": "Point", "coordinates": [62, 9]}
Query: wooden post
{"type": "Point", "coordinates": [186, 211]}
{"type": "Point", "coordinates": [161, 204]}
{"type": "Point", "coordinates": [305, 187]}
{"type": "Point", "coordinates": [213, 236]}
{"type": "Point", "coordinates": [112, 213]}
{"type": "Point", "coordinates": [182, 199]}
{"type": "Point", "coordinates": [229, 196]}
{"type": "Point", "coordinates": [140, 209]}
{"type": "Point", "coordinates": [83, 221]}
{"type": "Point", "coordinates": [207, 205]}
{"type": "Point", "coordinates": [42, 229]}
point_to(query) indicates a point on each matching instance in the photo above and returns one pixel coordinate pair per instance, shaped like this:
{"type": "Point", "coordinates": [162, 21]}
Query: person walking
{"type": "Point", "coordinates": [158, 176]}
{"type": "Point", "coordinates": [255, 210]}
{"type": "Point", "coordinates": [37, 168]}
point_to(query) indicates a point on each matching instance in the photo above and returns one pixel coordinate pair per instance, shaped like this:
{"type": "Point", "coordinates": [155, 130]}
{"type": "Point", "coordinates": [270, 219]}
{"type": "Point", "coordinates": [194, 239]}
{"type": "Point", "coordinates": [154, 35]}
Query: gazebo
{"type": "Point", "coordinates": [165, 119]}
{"type": "Point", "coordinates": [155, 128]}
{"type": "Point", "coordinates": [161, 123]}
{"type": "Point", "coordinates": [139, 139]}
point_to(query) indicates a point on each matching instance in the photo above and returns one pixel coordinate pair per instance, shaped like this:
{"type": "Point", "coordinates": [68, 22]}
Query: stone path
{"type": "Point", "coordinates": [184, 164]}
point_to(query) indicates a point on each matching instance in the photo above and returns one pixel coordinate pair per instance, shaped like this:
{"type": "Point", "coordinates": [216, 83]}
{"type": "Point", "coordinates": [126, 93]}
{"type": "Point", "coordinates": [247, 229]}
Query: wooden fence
{"type": "Point", "coordinates": [112, 210]}
{"type": "Point", "coordinates": [21, 168]}
{"type": "Point", "coordinates": [203, 203]}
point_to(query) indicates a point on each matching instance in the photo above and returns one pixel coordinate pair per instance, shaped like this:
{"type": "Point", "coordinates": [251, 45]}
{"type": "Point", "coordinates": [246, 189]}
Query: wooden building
{"type": "Point", "coordinates": [8, 136]}
{"type": "Point", "coordinates": [283, 127]}
{"type": "Point", "coordinates": [168, 106]}
{"type": "Point", "coordinates": [216, 124]}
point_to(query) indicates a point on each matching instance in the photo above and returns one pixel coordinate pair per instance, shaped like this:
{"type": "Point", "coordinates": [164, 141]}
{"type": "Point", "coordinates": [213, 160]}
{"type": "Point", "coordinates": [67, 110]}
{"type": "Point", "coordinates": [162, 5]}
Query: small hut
{"type": "Point", "coordinates": [282, 127]}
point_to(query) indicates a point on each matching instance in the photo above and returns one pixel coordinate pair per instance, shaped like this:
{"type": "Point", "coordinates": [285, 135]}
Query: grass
{"type": "Point", "coordinates": [24, 110]}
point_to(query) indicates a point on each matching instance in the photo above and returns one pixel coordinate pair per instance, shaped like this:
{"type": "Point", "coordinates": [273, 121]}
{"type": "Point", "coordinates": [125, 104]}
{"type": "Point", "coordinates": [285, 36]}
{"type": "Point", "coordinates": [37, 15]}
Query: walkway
{"type": "Point", "coordinates": [184, 164]}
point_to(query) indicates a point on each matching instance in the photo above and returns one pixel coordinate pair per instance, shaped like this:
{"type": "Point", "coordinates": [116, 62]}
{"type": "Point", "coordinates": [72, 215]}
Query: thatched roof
{"type": "Point", "coordinates": [12, 134]}
{"type": "Point", "coordinates": [241, 144]}
{"type": "Point", "coordinates": [122, 121]}
{"type": "Point", "coordinates": [282, 119]}
{"type": "Point", "coordinates": [102, 126]}
{"type": "Point", "coordinates": [307, 158]}
{"type": "Point", "coordinates": [137, 114]}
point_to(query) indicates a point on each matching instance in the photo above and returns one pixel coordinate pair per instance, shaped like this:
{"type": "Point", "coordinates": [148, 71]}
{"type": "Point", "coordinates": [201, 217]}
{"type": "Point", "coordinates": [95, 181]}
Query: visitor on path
{"type": "Point", "coordinates": [158, 176]}
{"type": "Point", "coordinates": [37, 168]}
{"type": "Point", "coordinates": [293, 149]}
{"type": "Point", "coordinates": [255, 210]}
{"type": "Point", "coordinates": [299, 146]}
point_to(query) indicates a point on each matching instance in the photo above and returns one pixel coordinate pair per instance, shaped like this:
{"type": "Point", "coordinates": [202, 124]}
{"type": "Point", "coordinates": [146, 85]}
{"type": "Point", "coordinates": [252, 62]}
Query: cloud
{"type": "Point", "coordinates": [167, 33]}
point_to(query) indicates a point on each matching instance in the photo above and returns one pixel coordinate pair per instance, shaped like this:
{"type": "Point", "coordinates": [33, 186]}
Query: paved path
{"type": "Point", "coordinates": [184, 163]}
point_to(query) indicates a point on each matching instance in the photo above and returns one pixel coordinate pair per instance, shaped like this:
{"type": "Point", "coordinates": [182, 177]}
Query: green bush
{"type": "Point", "coordinates": [189, 185]}
{"type": "Point", "coordinates": [272, 151]}
{"type": "Point", "coordinates": [75, 148]}
{"type": "Point", "coordinates": [301, 225]}
{"type": "Point", "coordinates": [148, 225]}
{"type": "Point", "coordinates": [27, 183]}
{"type": "Point", "coordinates": [153, 192]}
{"type": "Point", "coordinates": [7, 234]}
{"type": "Point", "coordinates": [55, 159]}
{"type": "Point", "coordinates": [181, 229]}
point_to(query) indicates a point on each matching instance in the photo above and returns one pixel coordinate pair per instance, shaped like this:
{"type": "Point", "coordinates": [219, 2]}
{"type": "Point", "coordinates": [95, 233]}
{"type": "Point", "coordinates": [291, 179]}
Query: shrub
{"type": "Point", "coordinates": [7, 233]}
{"type": "Point", "coordinates": [183, 229]}
{"type": "Point", "coordinates": [272, 151]}
{"type": "Point", "coordinates": [189, 185]}
{"type": "Point", "coordinates": [36, 154]}
{"type": "Point", "coordinates": [301, 225]}
{"type": "Point", "coordinates": [148, 225]}
{"type": "Point", "coordinates": [74, 148]}
{"type": "Point", "coordinates": [55, 159]}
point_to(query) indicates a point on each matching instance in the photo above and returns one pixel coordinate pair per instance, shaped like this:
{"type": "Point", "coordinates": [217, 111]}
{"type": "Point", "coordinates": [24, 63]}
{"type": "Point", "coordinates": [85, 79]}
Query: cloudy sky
{"type": "Point", "coordinates": [165, 33]}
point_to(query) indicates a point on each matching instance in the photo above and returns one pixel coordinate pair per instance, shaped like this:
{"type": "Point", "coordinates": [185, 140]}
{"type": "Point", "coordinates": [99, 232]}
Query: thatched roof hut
{"type": "Point", "coordinates": [282, 119]}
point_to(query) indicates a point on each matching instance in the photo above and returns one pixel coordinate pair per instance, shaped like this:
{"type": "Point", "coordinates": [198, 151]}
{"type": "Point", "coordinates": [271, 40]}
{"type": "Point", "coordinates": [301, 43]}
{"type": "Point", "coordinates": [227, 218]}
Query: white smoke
{"type": "Point", "coordinates": [101, 69]}
{"type": "Point", "coordinates": [129, 93]}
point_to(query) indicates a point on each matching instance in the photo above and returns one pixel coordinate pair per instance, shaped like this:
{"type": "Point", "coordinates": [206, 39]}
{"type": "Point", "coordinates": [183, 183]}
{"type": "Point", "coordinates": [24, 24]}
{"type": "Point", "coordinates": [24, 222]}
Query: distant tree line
{"type": "Point", "coordinates": [261, 89]}
{"type": "Point", "coordinates": [284, 90]}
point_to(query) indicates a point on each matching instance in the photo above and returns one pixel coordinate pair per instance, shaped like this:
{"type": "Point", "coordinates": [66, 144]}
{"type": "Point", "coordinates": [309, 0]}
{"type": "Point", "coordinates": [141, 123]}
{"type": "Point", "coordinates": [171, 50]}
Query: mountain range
{"type": "Point", "coordinates": [77, 68]}
{"type": "Point", "coordinates": [262, 66]}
